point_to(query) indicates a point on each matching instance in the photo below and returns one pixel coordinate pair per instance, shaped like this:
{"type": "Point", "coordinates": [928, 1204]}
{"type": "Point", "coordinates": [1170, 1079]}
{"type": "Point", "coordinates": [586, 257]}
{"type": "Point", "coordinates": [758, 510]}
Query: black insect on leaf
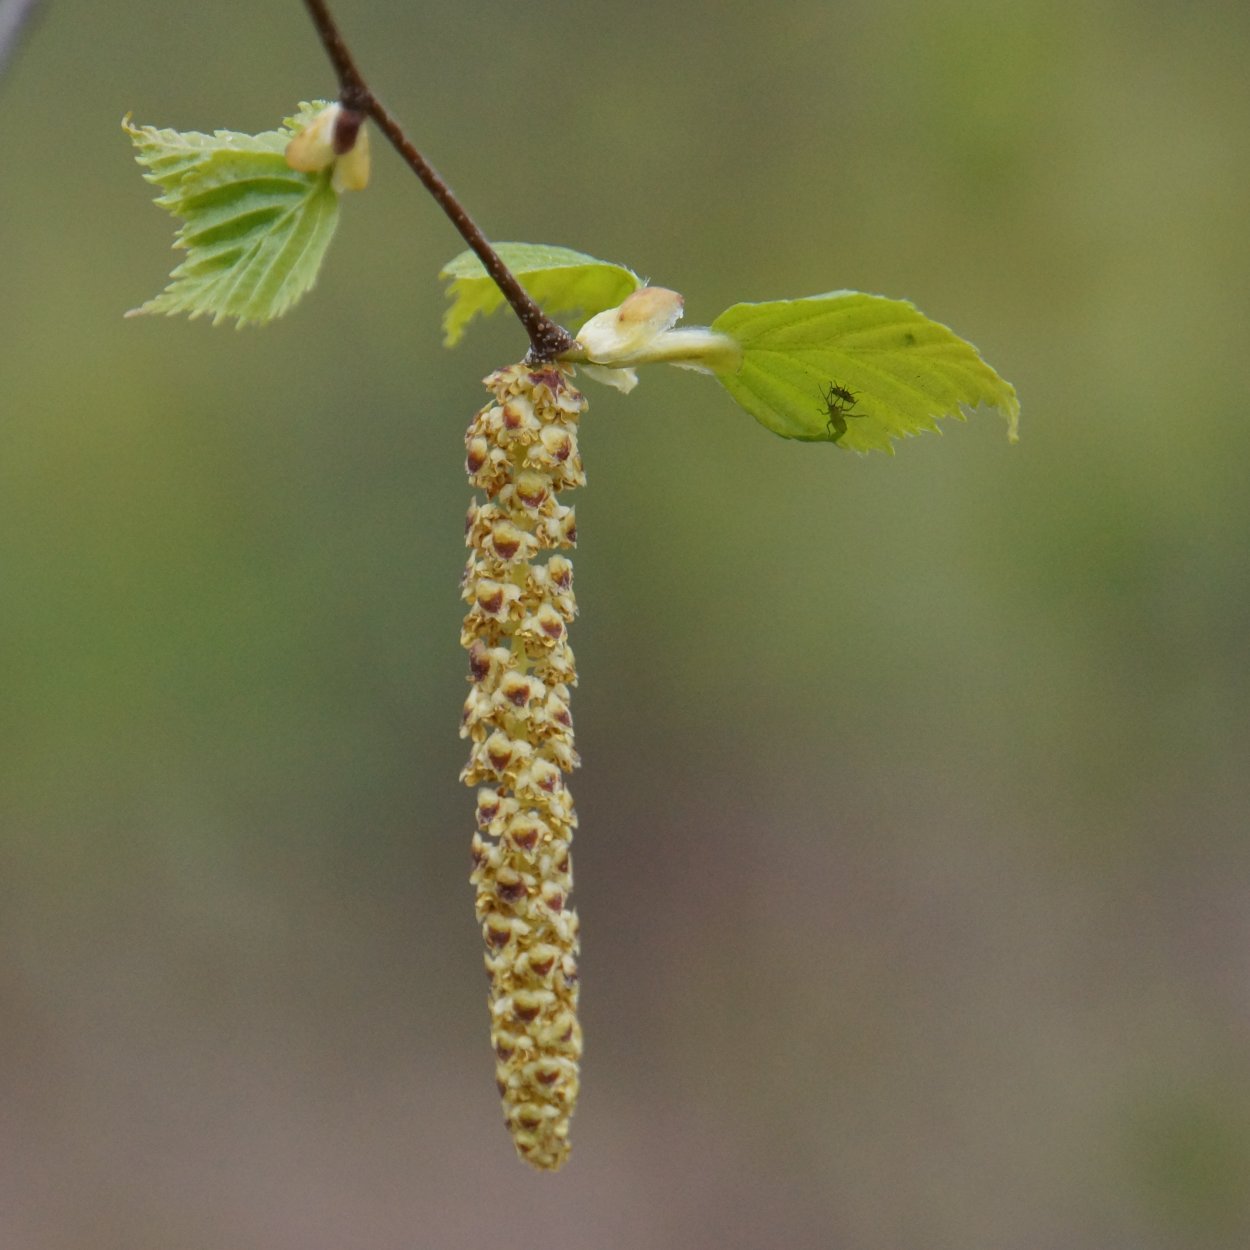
{"type": "Point", "coordinates": [839, 402]}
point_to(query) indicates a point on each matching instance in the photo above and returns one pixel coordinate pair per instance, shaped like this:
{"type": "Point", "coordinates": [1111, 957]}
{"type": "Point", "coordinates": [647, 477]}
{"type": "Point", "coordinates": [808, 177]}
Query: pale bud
{"type": "Point", "coordinates": [640, 331]}
{"type": "Point", "coordinates": [616, 335]}
{"type": "Point", "coordinates": [334, 137]}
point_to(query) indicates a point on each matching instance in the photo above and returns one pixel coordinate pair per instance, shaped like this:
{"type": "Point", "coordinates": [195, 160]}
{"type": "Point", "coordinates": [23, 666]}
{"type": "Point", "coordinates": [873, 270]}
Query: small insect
{"type": "Point", "coordinates": [839, 401]}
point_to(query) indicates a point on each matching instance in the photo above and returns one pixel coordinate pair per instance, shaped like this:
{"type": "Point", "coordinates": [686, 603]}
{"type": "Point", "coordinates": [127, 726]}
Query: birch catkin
{"type": "Point", "coordinates": [521, 452]}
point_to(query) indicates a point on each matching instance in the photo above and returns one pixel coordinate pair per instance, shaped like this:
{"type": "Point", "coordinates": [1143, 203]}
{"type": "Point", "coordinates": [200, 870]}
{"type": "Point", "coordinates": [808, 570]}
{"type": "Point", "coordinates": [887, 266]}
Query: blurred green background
{"type": "Point", "coordinates": [913, 865]}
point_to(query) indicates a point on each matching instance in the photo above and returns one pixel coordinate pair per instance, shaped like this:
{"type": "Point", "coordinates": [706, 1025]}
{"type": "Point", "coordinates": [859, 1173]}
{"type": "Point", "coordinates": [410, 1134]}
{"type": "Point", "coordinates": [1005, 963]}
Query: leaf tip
{"type": "Point", "coordinates": [453, 327]}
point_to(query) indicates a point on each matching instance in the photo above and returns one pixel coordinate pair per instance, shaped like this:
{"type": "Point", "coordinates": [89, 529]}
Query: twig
{"type": "Point", "coordinates": [14, 15]}
{"type": "Point", "coordinates": [547, 339]}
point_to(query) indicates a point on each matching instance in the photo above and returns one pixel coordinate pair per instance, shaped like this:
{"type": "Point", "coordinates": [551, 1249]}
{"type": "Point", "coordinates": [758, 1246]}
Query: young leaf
{"type": "Point", "coordinates": [900, 370]}
{"type": "Point", "coordinates": [560, 280]}
{"type": "Point", "coordinates": [255, 230]}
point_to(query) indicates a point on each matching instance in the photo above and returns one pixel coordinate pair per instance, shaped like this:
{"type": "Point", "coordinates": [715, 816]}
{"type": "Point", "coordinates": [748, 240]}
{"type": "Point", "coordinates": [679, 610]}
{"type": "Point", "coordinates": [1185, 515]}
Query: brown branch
{"type": "Point", "coordinates": [14, 18]}
{"type": "Point", "coordinates": [547, 339]}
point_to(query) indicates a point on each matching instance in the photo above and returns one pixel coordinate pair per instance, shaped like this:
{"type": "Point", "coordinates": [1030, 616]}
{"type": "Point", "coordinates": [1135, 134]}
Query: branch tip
{"type": "Point", "coordinates": [547, 339]}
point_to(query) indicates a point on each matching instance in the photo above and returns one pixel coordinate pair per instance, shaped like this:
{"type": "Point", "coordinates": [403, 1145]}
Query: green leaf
{"type": "Point", "coordinates": [902, 371]}
{"type": "Point", "coordinates": [255, 231]}
{"type": "Point", "coordinates": [560, 280]}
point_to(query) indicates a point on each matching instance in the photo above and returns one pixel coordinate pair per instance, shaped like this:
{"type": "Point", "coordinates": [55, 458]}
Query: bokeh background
{"type": "Point", "coordinates": [913, 864]}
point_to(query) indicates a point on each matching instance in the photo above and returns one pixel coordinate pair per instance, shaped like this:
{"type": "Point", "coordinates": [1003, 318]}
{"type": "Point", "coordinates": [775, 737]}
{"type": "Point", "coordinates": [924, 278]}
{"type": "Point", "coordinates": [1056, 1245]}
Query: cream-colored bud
{"type": "Point", "coordinates": [617, 335]}
{"type": "Point", "coordinates": [351, 171]}
{"type": "Point", "coordinates": [312, 150]}
{"type": "Point", "coordinates": [319, 145]}
{"type": "Point", "coordinates": [640, 331]}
